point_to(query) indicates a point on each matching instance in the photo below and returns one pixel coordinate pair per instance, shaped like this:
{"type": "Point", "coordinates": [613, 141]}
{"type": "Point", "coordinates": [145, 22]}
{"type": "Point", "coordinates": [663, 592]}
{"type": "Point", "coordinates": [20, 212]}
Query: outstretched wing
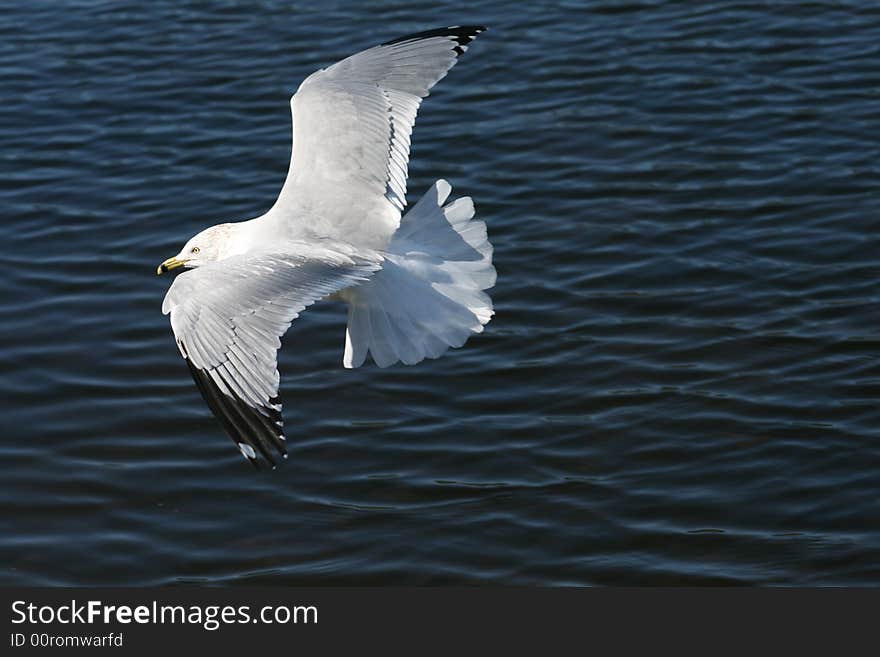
{"type": "Point", "coordinates": [228, 318]}
{"type": "Point", "coordinates": [351, 135]}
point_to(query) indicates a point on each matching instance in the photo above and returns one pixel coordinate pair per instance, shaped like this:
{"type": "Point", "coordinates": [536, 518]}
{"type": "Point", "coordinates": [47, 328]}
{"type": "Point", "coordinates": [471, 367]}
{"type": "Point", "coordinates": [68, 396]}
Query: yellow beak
{"type": "Point", "coordinates": [168, 265]}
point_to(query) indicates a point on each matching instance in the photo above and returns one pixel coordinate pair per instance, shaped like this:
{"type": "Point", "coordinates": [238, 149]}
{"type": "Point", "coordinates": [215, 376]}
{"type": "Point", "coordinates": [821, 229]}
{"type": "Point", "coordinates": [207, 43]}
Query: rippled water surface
{"type": "Point", "coordinates": [681, 382]}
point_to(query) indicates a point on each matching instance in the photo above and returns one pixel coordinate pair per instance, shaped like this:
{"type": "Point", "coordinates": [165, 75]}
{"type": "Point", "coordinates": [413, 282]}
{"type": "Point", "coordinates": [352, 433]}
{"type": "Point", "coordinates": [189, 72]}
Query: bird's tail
{"type": "Point", "coordinates": [428, 296]}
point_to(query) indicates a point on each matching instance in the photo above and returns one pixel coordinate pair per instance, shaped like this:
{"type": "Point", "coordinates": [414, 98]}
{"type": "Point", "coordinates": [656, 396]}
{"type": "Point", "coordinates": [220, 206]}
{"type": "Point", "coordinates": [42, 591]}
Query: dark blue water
{"type": "Point", "coordinates": [681, 382]}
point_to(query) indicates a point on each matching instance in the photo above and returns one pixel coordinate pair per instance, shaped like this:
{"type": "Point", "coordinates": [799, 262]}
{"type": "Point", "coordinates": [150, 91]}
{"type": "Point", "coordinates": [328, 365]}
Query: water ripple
{"type": "Point", "coordinates": [679, 387]}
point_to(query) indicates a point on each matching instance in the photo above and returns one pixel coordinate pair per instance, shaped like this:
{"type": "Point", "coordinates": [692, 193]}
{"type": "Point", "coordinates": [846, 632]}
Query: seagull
{"type": "Point", "coordinates": [414, 282]}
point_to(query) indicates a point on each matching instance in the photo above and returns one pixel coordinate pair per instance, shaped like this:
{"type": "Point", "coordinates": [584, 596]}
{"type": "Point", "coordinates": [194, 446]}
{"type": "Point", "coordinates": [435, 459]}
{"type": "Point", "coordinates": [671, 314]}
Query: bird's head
{"type": "Point", "coordinates": [206, 247]}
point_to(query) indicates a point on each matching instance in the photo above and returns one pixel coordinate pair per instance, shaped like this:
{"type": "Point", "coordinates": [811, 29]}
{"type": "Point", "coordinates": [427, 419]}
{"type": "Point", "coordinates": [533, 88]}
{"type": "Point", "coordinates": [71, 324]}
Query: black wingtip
{"type": "Point", "coordinates": [255, 432]}
{"type": "Point", "coordinates": [463, 35]}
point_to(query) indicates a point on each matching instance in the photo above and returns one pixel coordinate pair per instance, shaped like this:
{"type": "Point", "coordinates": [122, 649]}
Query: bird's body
{"type": "Point", "coordinates": [413, 282]}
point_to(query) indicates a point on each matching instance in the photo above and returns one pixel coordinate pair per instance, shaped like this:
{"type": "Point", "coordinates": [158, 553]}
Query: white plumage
{"type": "Point", "coordinates": [414, 284]}
{"type": "Point", "coordinates": [429, 294]}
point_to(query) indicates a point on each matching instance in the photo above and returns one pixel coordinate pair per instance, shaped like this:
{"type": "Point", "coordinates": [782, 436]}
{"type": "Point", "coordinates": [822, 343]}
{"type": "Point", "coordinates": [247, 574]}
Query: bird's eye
{"type": "Point", "coordinates": [195, 250]}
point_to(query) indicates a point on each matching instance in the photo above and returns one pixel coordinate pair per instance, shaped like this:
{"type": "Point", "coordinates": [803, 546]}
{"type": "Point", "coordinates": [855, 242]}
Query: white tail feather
{"type": "Point", "coordinates": [429, 294]}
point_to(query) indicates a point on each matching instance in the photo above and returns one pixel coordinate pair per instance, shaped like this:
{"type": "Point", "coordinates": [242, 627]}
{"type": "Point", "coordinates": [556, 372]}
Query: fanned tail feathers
{"type": "Point", "coordinates": [429, 294]}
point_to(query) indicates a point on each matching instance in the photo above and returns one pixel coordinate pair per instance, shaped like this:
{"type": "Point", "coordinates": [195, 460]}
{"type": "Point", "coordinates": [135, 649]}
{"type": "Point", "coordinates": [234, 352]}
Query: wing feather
{"type": "Point", "coordinates": [228, 318]}
{"type": "Point", "coordinates": [352, 124]}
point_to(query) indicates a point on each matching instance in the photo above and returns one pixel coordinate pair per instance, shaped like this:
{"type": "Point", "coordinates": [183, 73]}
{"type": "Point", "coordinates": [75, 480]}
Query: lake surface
{"type": "Point", "coordinates": [681, 382]}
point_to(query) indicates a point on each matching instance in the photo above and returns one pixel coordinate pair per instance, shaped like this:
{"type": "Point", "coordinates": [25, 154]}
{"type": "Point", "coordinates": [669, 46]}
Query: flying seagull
{"type": "Point", "coordinates": [414, 282]}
